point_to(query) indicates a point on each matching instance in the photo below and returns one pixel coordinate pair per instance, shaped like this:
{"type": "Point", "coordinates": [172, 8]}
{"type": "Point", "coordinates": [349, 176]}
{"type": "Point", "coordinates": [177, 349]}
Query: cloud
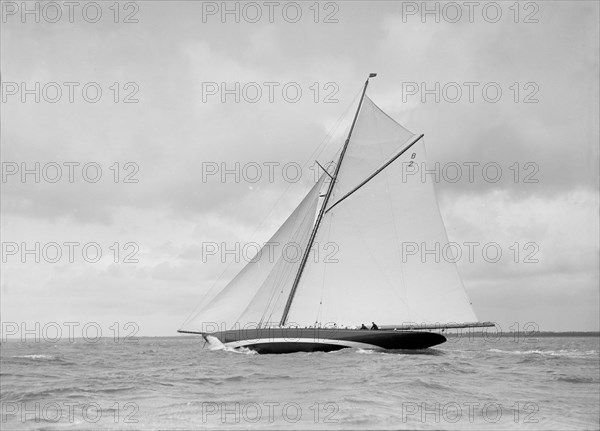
{"type": "Point", "coordinates": [171, 135]}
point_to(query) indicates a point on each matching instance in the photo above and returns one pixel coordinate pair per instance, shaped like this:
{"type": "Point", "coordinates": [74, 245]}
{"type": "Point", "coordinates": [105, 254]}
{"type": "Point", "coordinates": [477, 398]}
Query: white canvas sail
{"type": "Point", "coordinates": [376, 215]}
{"type": "Point", "coordinates": [257, 295]}
{"type": "Point", "coordinates": [375, 278]}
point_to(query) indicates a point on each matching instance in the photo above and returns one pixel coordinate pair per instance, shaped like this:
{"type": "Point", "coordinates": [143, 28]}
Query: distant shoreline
{"type": "Point", "coordinates": [491, 333]}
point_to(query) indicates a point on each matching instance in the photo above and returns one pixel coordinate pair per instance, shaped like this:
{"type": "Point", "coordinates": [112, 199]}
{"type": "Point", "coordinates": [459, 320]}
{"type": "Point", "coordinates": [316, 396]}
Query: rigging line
{"type": "Point", "coordinates": [370, 177]}
{"type": "Point", "coordinates": [324, 170]}
{"type": "Point", "coordinates": [320, 309]}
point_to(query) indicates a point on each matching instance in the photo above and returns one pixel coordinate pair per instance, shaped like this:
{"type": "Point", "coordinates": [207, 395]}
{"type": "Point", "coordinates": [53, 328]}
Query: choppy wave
{"type": "Point", "coordinates": [175, 383]}
{"type": "Point", "coordinates": [574, 379]}
{"type": "Point", "coordinates": [562, 352]}
{"type": "Point", "coordinates": [34, 357]}
{"type": "Point", "coordinates": [38, 358]}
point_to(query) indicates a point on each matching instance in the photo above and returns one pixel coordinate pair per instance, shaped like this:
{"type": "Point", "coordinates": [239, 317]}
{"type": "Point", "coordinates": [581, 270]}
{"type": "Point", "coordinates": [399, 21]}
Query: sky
{"type": "Point", "coordinates": [135, 106]}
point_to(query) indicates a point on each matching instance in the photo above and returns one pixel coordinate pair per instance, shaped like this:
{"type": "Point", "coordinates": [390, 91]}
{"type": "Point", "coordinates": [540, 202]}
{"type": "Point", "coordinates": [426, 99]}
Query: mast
{"type": "Point", "coordinates": [322, 210]}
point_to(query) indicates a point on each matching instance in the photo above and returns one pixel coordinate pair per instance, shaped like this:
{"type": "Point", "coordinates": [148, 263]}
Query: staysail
{"type": "Point", "coordinates": [392, 263]}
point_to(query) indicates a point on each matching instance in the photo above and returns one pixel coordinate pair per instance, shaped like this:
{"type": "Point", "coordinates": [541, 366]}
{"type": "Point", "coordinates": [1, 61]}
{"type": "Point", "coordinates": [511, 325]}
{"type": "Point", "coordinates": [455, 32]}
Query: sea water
{"type": "Point", "coordinates": [175, 383]}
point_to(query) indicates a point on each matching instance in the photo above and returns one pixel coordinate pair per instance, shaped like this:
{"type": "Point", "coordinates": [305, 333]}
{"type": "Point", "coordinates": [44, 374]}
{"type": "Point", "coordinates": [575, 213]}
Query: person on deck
{"type": "Point", "coordinates": [362, 326]}
{"type": "Point", "coordinates": [374, 326]}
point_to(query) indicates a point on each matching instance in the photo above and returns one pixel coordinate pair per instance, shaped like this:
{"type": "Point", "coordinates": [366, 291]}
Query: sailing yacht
{"type": "Point", "coordinates": [370, 209]}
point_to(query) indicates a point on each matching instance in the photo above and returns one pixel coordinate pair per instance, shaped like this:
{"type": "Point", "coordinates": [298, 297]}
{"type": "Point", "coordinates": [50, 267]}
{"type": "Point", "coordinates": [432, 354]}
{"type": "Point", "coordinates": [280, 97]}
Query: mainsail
{"type": "Point", "coordinates": [376, 229]}
{"type": "Point", "coordinates": [376, 216]}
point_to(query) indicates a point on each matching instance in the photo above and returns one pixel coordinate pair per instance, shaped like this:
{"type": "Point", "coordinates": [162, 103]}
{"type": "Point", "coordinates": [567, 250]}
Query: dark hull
{"type": "Point", "coordinates": [291, 340]}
